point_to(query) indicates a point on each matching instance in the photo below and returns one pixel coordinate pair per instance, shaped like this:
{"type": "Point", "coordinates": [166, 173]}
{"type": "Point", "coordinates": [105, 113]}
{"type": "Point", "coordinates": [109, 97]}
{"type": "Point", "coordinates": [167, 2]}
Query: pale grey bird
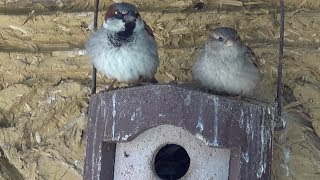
{"type": "Point", "coordinates": [226, 65]}
{"type": "Point", "coordinates": [124, 48]}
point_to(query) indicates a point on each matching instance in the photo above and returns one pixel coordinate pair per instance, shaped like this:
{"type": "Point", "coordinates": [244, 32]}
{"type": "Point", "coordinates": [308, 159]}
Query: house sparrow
{"type": "Point", "coordinates": [226, 65]}
{"type": "Point", "coordinates": [124, 48]}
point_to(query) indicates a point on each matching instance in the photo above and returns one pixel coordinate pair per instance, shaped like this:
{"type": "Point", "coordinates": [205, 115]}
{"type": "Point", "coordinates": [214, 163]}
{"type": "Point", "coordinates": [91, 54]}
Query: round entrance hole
{"type": "Point", "coordinates": [171, 162]}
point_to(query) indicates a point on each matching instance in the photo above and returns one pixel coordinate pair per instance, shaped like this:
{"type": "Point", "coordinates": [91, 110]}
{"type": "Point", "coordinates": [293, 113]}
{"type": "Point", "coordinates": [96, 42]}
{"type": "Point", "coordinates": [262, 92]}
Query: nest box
{"type": "Point", "coordinates": [174, 132]}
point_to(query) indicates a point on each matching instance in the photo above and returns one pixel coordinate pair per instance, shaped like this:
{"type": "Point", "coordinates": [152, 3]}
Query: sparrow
{"type": "Point", "coordinates": [124, 48]}
{"type": "Point", "coordinates": [226, 65]}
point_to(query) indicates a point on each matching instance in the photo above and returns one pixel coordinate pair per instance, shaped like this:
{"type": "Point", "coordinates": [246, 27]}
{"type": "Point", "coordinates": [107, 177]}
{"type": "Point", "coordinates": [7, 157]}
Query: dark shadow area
{"type": "Point", "coordinates": [171, 162]}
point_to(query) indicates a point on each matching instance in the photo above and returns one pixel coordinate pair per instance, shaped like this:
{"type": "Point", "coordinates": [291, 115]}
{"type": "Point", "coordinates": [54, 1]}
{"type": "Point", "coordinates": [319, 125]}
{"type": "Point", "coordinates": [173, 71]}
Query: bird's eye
{"type": "Point", "coordinates": [118, 15]}
{"type": "Point", "coordinates": [220, 39]}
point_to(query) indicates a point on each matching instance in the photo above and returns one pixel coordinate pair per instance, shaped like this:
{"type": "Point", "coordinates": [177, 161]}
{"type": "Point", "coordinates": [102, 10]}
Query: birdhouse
{"type": "Point", "coordinates": [174, 132]}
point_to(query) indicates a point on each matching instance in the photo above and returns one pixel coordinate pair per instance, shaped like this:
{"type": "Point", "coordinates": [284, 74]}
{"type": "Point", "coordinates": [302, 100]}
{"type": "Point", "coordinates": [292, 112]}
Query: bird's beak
{"type": "Point", "coordinates": [228, 43]}
{"type": "Point", "coordinates": [130, 17]}
{"type": "Point", "coordinates": [213, 35]}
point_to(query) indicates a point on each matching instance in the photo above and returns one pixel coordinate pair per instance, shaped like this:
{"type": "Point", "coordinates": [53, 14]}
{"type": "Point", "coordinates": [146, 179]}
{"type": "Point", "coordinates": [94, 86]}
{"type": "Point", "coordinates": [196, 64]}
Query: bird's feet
{"type": "Point", "coordinates": [238, 97]}
{"type": "Point", "coordinates": [143, 82]}
{"type": "Point", "coordinates": [235, 97]}
{"type": "Point", "coordinates": [209, 91]}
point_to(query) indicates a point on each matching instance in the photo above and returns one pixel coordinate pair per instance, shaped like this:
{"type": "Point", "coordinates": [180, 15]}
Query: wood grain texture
{"type": "Point", "coordinates": [51, 6]}
{"type": "Point", "coordinates": [66, 31]}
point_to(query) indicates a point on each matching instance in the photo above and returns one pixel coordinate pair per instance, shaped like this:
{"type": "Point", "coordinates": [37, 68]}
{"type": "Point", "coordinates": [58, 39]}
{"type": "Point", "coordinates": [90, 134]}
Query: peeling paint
{"type": "Point", "coordinates": [263, 134]}
{"type": "Point", "coordinates": [113, 127]}
{"type": "Point", "coordinates": [249, 124]}
{"type": "Point", "coordinates": [261, 170]}
{"type": "Point", "coordinates": [187, 100]}
{"type": "Point", "coordinates": [199, 126]}
{"type": "Point", "coordinates": [199, 136]}
{"type": "Point", "coordinates": [161, 115]}
{"type": "Point", "coordinates": [133, 116]}
{"type": "Point", "coordinates": [103, 104]}
{"type": "Point", "coordinates": [253, 118]}
{"type": "Point", "coordinates": [125, 137]}
{"type": "Point", "coordinates": [94, 138]}
{"type": "Point", "coordinates": [216, 104]}
{"type": "Point", "coordinates": [99, 161]}
{"type": "Point", "coordinates": [114, 105]}
{"type": "Point", "coordinates": [246, 157]}
{"type": "Point", "coordinates": [248, 129]}
{"type": "Point", "coordinates": [117, 138]}
{"type": "Point", "coordinates": [241, 119]}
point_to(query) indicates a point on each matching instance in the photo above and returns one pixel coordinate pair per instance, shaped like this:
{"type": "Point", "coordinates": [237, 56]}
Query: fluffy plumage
{"type": "Point", "coordinates": [225, 64]}
{"type": "Point", "coordinates": [124, 48]}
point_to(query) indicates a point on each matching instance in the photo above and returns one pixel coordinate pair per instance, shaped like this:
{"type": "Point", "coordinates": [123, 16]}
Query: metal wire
{"type": "Point", "coordinates": [95, 27]}
{"type": "Point", "coordinates": [279, 81]}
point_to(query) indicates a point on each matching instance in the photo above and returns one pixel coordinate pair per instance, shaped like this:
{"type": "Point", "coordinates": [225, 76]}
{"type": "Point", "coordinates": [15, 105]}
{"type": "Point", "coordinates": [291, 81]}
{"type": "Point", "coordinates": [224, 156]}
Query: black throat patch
{"type": "Point", "coordinates": [125, 36]}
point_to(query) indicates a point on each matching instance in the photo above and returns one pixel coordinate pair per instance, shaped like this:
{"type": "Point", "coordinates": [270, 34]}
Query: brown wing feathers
{"type": "Point", "coordinates": [110, 12]}
{"type": "Point", "coordinates": [148, 29]}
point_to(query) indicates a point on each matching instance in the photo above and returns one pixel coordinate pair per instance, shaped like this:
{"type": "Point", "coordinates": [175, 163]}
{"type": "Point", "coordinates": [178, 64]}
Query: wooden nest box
{"type": "Point", "coordinates": [173, 132]}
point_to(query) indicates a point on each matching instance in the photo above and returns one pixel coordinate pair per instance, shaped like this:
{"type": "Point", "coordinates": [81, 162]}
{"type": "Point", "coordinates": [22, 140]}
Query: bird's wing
{"type": "Point", "coordinates": [199, 58]}
{"type": "Point", "coordinates": [251, 56]}
{"type": "Point", "coordinates": [148, 29]}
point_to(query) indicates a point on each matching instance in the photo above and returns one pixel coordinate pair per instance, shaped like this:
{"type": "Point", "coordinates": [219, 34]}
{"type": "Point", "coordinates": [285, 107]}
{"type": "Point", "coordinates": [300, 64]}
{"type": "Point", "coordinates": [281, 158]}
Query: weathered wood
{"type": "Point", "coordinates": [30, 67]}
{"type": "Point", "coordinates": [66, 31]}
{"type": "Point", "coordinates": [50, 6]}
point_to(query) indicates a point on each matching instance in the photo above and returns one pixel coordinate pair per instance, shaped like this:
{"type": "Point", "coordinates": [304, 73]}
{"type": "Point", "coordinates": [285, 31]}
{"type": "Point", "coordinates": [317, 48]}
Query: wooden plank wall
{"type": "Point", "coordinates": [44, 26]}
